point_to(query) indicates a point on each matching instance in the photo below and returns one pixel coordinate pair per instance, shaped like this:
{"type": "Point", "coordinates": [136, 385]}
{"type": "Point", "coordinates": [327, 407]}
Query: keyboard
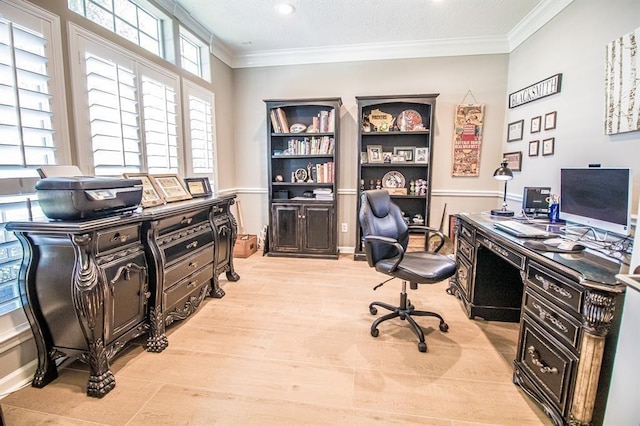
{"type": "Point", "coordinates": [521, 230]}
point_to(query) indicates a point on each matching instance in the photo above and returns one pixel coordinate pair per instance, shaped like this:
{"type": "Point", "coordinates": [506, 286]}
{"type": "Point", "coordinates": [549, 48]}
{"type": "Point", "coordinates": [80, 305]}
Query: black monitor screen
{"type": "Point", "coordinates": [596, 197]}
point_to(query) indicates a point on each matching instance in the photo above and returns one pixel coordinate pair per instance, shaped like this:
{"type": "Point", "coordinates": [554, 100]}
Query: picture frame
{"type": "Point", "coordinates": [374, 154]}
{"type": "Point", "coordinates": [514, 160]}
{"type": "Point", "coordinates": [397, 158]}
{"type": "Point", "coordinates": [422, 155]}
{"type": "Point", "coordinates": [550, 120]}
{"type": "Point", "coordinates": [364, 159]}
{"type": "Point", "coordinates": [534, 148]}
{"type": "Point", "coordinates": [536, 124]}
{"type": "Point", "coordinates": [409, 152]}
{"type": "Point", "coordinates": [515, 131]}
{"type": "Point", "coordinates": [548, 146]}
{"type": "Point", "coordinates": [170, 186]}
{"type": "Point", "coordinates": [386, 156]}
{"type": "Point", "coordinates": [198, 186]}
{"type": "Point", "coordinates": [150, 195]}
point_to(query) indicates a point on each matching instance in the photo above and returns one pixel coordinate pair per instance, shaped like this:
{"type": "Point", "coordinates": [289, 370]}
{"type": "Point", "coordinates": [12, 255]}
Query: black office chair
{"type": "Point", "coordinates": [385, 238]}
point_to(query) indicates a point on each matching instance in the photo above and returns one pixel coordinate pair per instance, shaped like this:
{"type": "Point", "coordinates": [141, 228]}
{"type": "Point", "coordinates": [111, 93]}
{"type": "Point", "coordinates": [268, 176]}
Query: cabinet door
{"type": "Point", "coordinates": [285, 235]}
{"type": "Point", "coordinates": [318, 229]}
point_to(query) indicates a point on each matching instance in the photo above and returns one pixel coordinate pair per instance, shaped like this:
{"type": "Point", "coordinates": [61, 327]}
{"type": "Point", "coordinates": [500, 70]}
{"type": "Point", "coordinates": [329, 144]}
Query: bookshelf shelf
{"type": "Point", "coordinates": [302, 176]}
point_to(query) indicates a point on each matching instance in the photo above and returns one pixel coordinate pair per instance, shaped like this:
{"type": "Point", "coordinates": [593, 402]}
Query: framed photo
{"type": "Point", "coordinates": [536, 124]}
{"type": "Point", "coordinates": [534, 148]}
{"type": "Point", "coordinates": [198, 187]}
{"type": "Point", "coordinates": [363, 158]}
{"type": "Point", "coordinates": [374, 154]}
{"type": "Point", "coordinates": [386, 156]}
{"type": "Point", "coordinates": [407, 151]}
{"type": "Point", "coordinates": [150, 196]}
{"type": "Point", "coordinates": [515, 131]}
{"type": "Point", "coordinates": [398, 158]}
{"type": "Point", "coordinates": [422, 155]}
{"type": "Point", "coordinates": [514, 160]}
{"type": "Point", "coordinates": [548, 146]}
{"type": "Point", "coordinates": [550, 120]}
{"type": "Point", "coordinates": [170, 187]}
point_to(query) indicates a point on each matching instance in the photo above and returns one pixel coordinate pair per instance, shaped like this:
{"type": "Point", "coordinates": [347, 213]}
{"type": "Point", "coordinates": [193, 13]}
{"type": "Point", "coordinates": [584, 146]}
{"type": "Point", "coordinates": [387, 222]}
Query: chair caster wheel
{"type": "Point", "coordinates": [373, 310]}
{"type": "Point", "coordinates": [444, 327]}
{"type": "Point", "coordinates": [422, 347]}
{"type": "Point", "coordinates": [374, 332]}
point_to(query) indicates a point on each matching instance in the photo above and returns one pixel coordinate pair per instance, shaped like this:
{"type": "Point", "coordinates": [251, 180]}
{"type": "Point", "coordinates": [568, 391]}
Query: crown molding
{"type": "Point", "coordinates": [536, 19]}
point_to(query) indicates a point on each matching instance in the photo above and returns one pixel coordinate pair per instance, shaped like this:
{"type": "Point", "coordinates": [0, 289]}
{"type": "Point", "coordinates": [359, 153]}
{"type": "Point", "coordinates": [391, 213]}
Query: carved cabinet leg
{"type": "Point", "coordinates": [157, 340]}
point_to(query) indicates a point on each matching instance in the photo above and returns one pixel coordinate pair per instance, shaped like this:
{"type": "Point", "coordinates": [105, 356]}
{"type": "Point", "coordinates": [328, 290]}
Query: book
{"type": "Point", "coordinates": [282, 120]}
{"type": "Point", "coordinates": [275, 126]}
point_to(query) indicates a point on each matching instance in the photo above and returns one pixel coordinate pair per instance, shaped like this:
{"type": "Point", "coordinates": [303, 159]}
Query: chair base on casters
{"type": "Point", "coordinates": [405, 311]}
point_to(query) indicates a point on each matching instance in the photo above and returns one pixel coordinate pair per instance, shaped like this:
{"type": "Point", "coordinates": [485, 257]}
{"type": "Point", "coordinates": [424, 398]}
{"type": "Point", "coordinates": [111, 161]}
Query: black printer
{"type": "Point", "coordinates": [86, 197]}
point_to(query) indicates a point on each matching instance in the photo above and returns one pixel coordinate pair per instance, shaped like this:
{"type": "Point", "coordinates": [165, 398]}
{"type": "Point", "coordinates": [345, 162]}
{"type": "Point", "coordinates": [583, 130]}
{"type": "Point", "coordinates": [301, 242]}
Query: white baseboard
{"type": "Point", "coordinates": [18, 379]}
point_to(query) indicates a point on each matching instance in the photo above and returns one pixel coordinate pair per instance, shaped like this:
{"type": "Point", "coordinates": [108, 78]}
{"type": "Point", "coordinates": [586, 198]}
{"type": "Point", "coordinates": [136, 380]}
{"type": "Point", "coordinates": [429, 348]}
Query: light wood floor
{"type": "Point", "coordinates": [289, 344]}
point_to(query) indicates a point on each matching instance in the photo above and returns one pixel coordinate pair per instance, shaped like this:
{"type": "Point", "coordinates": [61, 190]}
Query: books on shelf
{"type": "Point", "coordinates": [323, 122]}
{"type": "Point", "coordinates": [323, 145]}
{"type": "Point", "coordinates": [323, 172]}
{"type": "Point", "coordinates": [325, 194]}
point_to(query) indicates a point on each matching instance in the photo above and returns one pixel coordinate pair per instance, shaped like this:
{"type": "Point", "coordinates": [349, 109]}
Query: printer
{"type": "Point", "coordinates": [87, 197]}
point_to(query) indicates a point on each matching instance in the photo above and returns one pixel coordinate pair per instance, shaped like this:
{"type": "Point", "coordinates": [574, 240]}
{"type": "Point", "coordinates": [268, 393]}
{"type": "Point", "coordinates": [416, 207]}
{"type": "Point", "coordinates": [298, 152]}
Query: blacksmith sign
{"type": "Point", "coordinates": [547, 87]}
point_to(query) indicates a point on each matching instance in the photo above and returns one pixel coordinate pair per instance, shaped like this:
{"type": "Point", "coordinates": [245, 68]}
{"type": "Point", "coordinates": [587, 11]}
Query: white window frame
{"type": "Point", "coordinates": [203, 52]}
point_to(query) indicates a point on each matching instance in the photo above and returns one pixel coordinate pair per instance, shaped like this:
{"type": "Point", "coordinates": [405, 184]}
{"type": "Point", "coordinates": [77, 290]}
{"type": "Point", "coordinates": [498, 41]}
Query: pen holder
{"type": "Point", "coordinates": [554, 212]}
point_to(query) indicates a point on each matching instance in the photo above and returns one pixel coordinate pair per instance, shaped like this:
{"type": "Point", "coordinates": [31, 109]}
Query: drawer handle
{"type": "Point", "coordinates": [191, 245]}
{"type": "Point", "coordinates": [544, 369]}
{"type": "Point", "coordinates": [126, 271]}
{"type": "Point", "coordinates": [546, 284]}
{"type": "Point", "coordinates": [462, 273]}
{"type": "Point", "coordinates": [192, 284]}
{"type": "Point", "coordinates": [493, 246]}
{"type": "Point", "coordinates": [193, 265]}
{"type": "Point", "coordinates": [546, 316]}
{"type": "Point", "coordinates": [186, 220]}
{"type": "Point", "coordinates": [117, 237]}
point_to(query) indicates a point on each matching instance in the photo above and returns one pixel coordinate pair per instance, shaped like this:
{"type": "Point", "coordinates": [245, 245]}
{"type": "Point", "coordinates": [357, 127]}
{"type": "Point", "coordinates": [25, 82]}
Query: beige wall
{"type": "Point", "coordinates": [452, 77]}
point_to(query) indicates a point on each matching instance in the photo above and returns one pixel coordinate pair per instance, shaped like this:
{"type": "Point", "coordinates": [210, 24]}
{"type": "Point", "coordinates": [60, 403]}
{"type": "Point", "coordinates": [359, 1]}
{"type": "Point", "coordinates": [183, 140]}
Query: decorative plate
{"type": "Point", "coordinates": [408, 120]}
{"type": "Point", "coordinates": [297, 128]}
{"type": "Point", "coordinates": [393, 179]}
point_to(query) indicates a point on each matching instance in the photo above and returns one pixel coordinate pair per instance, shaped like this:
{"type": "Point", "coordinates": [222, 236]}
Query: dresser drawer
{"type": "Point", "coordinates": [177, 222]}
{"type": "Point", "coordinates": [188, 245]}
{"type": "Point", "coordinates": [117, 237]}
{"type": "Point", "coordinates": [176, 294]}
{"type": "Point", "coordinates": [555, 288]}
{"type": "Point", "coordinates": [466, 232]}
{"type": "Point", "coordinates": [189, 265]}
{"type": "Point", "coordinates": [552, 318]}
{"type": "Point", "coordinates": [547, 363]}
{"type": "Point", "coordinates": [464, 276]}
{"type": "Point", "coordinates": [465, 248]}
{"type": "Point", "coordinates": [509, 255]}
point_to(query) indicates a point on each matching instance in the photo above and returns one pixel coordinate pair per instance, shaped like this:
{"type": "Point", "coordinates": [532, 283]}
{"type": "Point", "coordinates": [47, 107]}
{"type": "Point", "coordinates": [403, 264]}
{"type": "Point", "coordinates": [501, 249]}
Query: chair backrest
{"type": "Point", "coordinates": [379, 216]}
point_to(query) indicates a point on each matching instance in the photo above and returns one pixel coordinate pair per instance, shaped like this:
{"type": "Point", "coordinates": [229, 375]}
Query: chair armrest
{"type": "Point", "coordinates": [428, 230]}
{"type": "Point", "coordinates": [389, 241]}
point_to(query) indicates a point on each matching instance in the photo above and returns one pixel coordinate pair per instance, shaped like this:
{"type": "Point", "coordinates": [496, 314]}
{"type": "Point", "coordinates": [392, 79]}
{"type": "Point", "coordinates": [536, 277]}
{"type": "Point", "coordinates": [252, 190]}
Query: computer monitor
{"type": "Point", "coordinates": [535, 200]}
{"type": "Point", "coordinates": [597, 197]}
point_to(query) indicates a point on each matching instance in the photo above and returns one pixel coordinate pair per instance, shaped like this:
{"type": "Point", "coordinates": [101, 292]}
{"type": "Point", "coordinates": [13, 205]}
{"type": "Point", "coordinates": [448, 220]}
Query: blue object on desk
{"type": "Point", "coordinates": [554, 212]}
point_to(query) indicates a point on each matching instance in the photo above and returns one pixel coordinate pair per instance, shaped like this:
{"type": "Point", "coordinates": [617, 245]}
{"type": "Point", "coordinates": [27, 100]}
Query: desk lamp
{"type": "Point", "coordinates": [503, 173]}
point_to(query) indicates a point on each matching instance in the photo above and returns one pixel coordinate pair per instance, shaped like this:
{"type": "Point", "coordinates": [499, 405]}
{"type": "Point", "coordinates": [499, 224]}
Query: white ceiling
{"type": "Point", "coordinates": [250, 32]}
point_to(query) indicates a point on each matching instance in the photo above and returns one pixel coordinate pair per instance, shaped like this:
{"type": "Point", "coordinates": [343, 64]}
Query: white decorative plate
{"type": "Point", "coordinates": [297, 128]}
{"type": "Point", "coordinates": [393, 179]}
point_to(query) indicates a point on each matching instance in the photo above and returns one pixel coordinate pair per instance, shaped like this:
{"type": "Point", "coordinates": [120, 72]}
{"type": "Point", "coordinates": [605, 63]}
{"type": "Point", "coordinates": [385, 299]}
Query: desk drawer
{"type": "Point", "coordinates": [555, 288]}
{"type": "Point", "coordinates": [191, 264]}
{"type": "Point", "coordinates": [552, 318]}
{"type": "Point", "coordinates": [177, 222]}
{"type": "Point", "coordinates": [117, 237]}
{"type": "Point", "coordinates": [178, 294]}
{"type": "Point", "coordinates": [467, 232]}
{"type": "Point", "coordinates": [464, 276]}
{"type": "Point", "coordinates": [509, 255]}
{"type": "Point", "coordinates": [187, 246]}
{"type": "Point", "coordinates": [547, 363]}
{"type": "Point", "coordinates": [466, 249]}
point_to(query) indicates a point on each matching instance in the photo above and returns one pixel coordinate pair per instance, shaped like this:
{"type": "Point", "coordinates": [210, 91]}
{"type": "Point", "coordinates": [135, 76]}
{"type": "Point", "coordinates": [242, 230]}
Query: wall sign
{"type": "Point", "coordinates": [547, 87]}
{"type": "Point", "coordinates": [467, 139]}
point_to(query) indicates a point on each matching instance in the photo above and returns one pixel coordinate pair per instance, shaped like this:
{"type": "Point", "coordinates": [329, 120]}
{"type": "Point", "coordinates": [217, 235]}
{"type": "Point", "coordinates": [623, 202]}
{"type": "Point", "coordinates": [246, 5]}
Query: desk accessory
{"type": "Point", "coordinates": [505, 174]}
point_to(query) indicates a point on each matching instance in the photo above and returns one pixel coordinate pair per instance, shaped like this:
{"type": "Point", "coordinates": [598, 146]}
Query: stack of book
{"type": "Point", "coordinates": [323, 122]}
{"type": "Point", "coordinates": [323, 194]}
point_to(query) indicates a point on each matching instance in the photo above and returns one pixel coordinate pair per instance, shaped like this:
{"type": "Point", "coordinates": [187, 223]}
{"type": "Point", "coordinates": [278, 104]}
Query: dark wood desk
{"type": "Point", "coordinates": [89, 287]}
{"type": "Point", "coordinates": [566, 306]}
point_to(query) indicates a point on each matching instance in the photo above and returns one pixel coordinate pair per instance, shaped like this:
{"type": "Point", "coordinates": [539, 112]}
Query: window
{"type": "Point", "coordinates": [125, 18]}
{"type": "Point", "coordinates": [33, 126]}
{"type": "Point", "coordinates": [194, 56]}
{"type": "Point", "coordinates": [132, 110]}
{"type": "Point", "coordinates": [200, 130]}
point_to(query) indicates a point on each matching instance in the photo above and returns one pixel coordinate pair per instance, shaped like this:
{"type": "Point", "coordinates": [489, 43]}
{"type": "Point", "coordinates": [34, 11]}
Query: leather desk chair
{"type": "Point", "coordinates": [385, 238]}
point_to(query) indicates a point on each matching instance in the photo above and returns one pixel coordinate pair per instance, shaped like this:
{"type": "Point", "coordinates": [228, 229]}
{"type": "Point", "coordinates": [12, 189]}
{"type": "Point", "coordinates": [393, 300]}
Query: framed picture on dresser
{"type": "Point", "coordinates": [170, 187]}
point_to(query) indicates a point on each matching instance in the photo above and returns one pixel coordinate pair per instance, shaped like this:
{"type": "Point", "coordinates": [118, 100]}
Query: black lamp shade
{"type": "Point", "coordinates": [503, 173]}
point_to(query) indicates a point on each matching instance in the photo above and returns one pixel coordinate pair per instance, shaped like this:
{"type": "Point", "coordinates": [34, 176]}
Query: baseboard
{"type": "Point", "coordinates": [18, 379]}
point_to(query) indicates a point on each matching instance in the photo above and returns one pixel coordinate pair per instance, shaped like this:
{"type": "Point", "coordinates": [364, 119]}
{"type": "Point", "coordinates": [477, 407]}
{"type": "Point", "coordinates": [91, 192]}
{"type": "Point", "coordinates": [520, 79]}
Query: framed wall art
{"type": "Point", "coordinates": [548, 146]}
{"type": "Point", "coordinates": [550, 120]}
{"type": "Point", "coordinates": [515, 131]}
{"type": "Point", "coordinates": [514, 160]}
{"type": "Point", "coordinates": [170, 187]}
{"type": "Point", "coordinates": [198, 187]}
{"type": "Point", "coordinates": [536, 124]}
{"type": "Point", "coordinates": [150, 196]}
{"type": "Point", "coordinates": [534, 148]}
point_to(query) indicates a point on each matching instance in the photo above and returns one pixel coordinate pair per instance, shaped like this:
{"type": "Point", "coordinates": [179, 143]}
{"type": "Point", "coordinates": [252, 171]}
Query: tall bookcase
{"type": "Point", "coordinates": [395, 142]}
{"type": "Point", "coordinates": [303, 140]}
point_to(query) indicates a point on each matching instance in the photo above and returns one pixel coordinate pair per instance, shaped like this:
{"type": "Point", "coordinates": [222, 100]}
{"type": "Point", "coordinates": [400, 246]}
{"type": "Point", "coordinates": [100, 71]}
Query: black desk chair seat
{"type": "Point", "coordinates": [385, 239]}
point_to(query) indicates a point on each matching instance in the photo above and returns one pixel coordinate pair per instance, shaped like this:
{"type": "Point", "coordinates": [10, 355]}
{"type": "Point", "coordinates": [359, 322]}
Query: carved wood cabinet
{"type": "Point", "coordinates": [89, 287]}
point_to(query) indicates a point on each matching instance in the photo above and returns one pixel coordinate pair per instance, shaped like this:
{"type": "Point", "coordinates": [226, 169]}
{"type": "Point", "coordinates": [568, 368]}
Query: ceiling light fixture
{"type": "Point", "coordinates": [285, 8]}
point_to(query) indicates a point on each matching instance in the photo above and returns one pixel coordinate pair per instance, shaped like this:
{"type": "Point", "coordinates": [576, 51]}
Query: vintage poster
{"type": "Point", "coordinates": [467, 139]}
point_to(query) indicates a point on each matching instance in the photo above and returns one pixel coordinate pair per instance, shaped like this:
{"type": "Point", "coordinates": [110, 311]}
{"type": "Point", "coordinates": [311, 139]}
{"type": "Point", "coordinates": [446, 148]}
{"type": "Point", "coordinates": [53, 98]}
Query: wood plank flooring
{"type": "Point", "coordinates": [289, 344]}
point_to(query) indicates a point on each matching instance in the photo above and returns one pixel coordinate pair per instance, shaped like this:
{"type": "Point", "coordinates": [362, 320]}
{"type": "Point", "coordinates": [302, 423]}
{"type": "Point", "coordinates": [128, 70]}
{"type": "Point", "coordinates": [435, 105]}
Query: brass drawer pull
{"type": "Point", "coordinates": [544, 369]}
{"type": "Point", "coordinates": [193, 265]}
{"type": "Point", "coordinates": [191, 245]}
{"type": "Point", "coordinates": [192, 284]}
{"type": "Point", "coordinates": [546, 316]}
{"type": "Point", "coordinates": [117, 237]}
{"type": "Point", "coordinates": [186, 220]}
{"type": "Point", "coordinates": [546, 284]}
{"type": "Point", "coordinates": [462, 273]}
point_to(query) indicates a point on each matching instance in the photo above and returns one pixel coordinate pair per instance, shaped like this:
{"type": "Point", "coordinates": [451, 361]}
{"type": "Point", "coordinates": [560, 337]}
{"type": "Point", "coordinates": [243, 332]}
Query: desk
{"type": "Point", "coordinates": [565, 304]}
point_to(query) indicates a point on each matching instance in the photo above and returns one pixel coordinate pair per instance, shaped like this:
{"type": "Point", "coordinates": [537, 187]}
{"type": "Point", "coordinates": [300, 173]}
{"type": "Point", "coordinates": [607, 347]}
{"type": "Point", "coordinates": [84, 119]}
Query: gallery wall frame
{"type": "Point", "coordinates": [515, 131]}
{"type": "Point", "coordinates": [534, 148]}
{"type": "Point", "coordinates": [514, 160]}
{"type": "Point", "coordinates": [550, 120]}
{"type": "Point", "coordinates": [536, 124]}
{"type": "Point", "coordinates": [548, 146]}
